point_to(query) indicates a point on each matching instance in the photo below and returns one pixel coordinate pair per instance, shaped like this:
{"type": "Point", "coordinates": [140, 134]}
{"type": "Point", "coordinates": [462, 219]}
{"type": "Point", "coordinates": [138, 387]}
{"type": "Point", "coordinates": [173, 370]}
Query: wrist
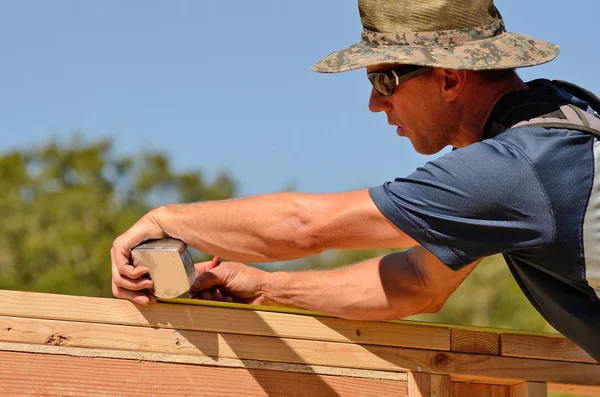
{"type": "Point", "coordinates": [162, 217]}
{"type": "Point", "coordinates": [272, 289]}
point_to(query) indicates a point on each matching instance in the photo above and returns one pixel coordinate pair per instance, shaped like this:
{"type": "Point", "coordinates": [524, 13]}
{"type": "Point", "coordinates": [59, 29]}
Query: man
{"type": "Point", "coordinates": [443, 72]}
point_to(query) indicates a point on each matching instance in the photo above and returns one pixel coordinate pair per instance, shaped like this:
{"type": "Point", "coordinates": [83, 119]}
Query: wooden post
{"type": "Point", "coordinates": [419, 384]}
{"type": "Point", "coordinates": [529, 389]}
{"type": "Point", "coordinates": [427, 385]}
{"type": "Point", "coordinates": [441, 386]}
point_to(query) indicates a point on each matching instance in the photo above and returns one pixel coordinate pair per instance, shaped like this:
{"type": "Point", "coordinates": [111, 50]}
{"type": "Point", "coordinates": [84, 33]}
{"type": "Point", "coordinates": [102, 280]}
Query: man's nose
{"type": "Point", "coordinates": [377, 103]}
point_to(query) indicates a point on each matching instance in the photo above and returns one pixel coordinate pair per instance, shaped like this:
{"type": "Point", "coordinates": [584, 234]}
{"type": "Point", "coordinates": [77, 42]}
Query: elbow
{"type": "Point", "coordinates": [435, 303]}
{"type": "Point", "coordinates": [433, 307]}
{"type": "Point", "coordinates": [309, 238]}
{"type": "Point", "coordinates": [301, 231]}
{"type": "Point", "coordinates": [417, 302]}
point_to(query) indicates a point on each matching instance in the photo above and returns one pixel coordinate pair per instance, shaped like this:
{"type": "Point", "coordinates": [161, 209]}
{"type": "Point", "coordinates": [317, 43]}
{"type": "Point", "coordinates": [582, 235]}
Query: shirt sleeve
{"type": "Point", "coordinates": [476, 201]}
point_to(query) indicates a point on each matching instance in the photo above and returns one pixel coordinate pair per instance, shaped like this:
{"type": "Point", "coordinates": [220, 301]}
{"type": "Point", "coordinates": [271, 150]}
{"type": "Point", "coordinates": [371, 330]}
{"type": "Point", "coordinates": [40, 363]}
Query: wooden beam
{"type": "Point", "coordinates": [40, 374]}
{"type": "Point", "coordinates": [219, 319]}
{"type": "Point", "coordinates": [476, 368]}
{"type": "Point", "coordinates": [574, 389]}
{"type": "Point", "coordinates": [460, 389]}
{"type": "Point", "coordinates": [553, 348]}
{"type": "Point", "coordinates": [529, 389]}
{"type": "Point", "coordinates": [201, 360]}
{"type": "Point", "coordinates": [475, 342]}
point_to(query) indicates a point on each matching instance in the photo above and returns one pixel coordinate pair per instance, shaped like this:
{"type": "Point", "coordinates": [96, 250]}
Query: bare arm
{"type": "Point", "coordinates": [282, 226]}
{"type": "Point", "coordinates": [389, 287]}
{"type": "Point", "coordinates": [272, 227]}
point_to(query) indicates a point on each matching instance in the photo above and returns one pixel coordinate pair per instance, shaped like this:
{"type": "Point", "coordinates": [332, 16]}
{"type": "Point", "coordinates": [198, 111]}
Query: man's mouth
{"type": "Point", "coordinates": [399, 131]}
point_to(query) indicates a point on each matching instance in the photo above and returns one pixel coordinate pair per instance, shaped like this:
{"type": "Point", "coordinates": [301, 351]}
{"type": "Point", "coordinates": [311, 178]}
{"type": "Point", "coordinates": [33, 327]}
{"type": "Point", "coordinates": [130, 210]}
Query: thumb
{"type": "Point", "coordinates": [201, 267]}
{"type": "Point", "coordinates": [207, 280]}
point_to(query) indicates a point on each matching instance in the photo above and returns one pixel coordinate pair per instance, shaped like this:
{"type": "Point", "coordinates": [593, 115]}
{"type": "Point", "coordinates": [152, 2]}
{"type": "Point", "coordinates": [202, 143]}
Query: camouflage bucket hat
{"type": "Point", "coordinates": [453, 34]}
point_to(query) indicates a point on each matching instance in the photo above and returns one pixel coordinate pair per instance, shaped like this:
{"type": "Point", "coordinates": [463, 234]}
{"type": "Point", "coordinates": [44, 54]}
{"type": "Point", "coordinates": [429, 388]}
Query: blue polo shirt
{"type": "Point", "coordinates": [531, 194]}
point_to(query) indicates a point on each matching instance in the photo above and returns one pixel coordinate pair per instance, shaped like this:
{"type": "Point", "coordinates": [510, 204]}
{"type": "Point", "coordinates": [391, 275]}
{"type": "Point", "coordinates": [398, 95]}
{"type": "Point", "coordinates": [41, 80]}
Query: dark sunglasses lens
{"type": "Point", "coordinates": [381, 83]}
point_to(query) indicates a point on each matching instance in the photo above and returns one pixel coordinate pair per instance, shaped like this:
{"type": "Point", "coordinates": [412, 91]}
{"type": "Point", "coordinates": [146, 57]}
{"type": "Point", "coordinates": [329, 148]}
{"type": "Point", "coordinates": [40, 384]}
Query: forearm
{"type": "Point", "coordinates": [382, 288]}
{"type": "Point", "coordinates": [281, 226]}
{"type": "Point", "coordinates": [253, 229]}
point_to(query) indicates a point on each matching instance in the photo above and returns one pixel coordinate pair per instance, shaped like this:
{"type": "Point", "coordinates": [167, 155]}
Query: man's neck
{"type": "Point", "coordinates": [479, 106]}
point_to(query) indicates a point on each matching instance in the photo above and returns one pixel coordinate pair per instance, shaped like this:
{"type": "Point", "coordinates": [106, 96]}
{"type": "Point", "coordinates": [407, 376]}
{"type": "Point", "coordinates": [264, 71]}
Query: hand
{"type": "Point", "coordinates": [126, 281]}
{"type": "Point", "coordinates": [230, 281]}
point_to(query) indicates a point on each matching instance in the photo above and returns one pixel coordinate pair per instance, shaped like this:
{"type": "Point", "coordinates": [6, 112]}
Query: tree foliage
{"type": "Point", "coordinates": [62, 205]}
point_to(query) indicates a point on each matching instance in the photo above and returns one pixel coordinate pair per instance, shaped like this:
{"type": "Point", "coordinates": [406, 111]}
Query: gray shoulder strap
{"type": "Point", "coordinates": [575, 119]}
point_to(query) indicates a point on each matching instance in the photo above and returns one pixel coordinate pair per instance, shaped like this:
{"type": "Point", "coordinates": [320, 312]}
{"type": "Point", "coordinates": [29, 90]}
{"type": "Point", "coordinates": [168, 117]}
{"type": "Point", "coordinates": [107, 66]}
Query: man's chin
{"type": "Point", "coordinates": [425, 148]}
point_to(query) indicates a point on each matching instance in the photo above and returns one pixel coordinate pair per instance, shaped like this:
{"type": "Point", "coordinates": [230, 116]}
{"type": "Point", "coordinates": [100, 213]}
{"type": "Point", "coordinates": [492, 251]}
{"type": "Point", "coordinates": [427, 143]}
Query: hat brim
{"type": "Point", "coordinates": [505, 51]}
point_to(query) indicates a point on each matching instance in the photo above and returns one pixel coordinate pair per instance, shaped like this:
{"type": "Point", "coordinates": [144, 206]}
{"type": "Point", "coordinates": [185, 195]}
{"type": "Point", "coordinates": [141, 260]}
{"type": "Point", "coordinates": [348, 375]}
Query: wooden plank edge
{"type": "Point", "coordinates": [562, 388]}
{"type": "Point", "coordinates": [47, 374]}
{"type": "Point", "coordinates": [42, 296]}
{"type": "Point", "coordinates": [474, 342]}
{"type": "Point", "coordinates": [215, 319]}
{"type": "Point", "coordinates": [477, 368]}
{"type": "Point", "coordinates": [528, 346]}
{"type": "Point", "coordinates": [573, 389]}
{"type": "Point", "coordinates": [529, 389]}
{"type": "Point", "coordinates": [201, 360]}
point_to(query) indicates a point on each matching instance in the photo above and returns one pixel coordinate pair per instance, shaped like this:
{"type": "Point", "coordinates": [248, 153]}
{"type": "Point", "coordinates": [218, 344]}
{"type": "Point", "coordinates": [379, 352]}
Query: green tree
{"type": "Point", "coordinates": [62, 205]}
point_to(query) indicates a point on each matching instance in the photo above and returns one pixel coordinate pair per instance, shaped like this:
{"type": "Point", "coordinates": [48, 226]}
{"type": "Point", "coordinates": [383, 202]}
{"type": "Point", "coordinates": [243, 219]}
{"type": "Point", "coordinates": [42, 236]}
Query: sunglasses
{"type": "Point", "coordinates": [385, 82]}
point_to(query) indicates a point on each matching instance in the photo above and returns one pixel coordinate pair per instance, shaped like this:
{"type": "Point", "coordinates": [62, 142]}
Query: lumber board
{"type": "Point", "coordinates": [219, 319]}
{"type": "Point", "coordinates": [441, 386]}
{"type": "Point", "coordinates": [29, 374]}
{"type": "Point", "coordinates": [529, 389]}
{"type": "Point", "coordinates": [460, 389]}
{"type": "Point", "coordinates": [478, 368]}
{"type": "Point", "coordinates": [574, 389]}
{"type": "Point", "coordinates": [422, 384]}
{"type": "Point", "coordinates": [475, 342]}
{"type": "Point", "coordinates": [553, 348]}
{"type": "Point", "coordinates": [419, 384]}
{"type": "Point", "coordinates": [201, 360]}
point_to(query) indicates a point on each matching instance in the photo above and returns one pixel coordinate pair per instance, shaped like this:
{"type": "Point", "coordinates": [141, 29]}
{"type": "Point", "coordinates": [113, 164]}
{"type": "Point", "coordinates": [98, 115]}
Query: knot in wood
{"type": "Point", "coordinates": [441, 359]}
{"type": "Point", "coordinates": [57, 340]}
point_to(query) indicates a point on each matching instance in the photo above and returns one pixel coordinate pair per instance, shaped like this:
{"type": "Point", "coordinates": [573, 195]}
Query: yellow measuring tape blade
{"type": "Point", "coordinates": [289, 310]}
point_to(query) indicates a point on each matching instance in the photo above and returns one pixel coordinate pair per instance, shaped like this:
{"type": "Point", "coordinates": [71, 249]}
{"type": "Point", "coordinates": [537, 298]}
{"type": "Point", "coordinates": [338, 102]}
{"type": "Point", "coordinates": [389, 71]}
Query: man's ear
{"type": "Point", "coordinates": [452, 83]}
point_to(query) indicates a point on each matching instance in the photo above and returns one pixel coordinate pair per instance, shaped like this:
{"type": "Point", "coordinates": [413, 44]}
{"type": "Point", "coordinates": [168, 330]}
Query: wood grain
{"type": "Point", "coordinates": [529, 389]}
{"type": "Point", "coordinates": [219, 319]}
{"type": "Point", "coordinates": [574, 389]}
{"type": "Point", "coordinates": [553, 348]}
{"type": "Point", "coordinates": [475, 342]}
{"type": "Point", "coordinates": [477, 390]}
{"type": "Point", "coordinates": [478, 368]}
{"type": "Point", "coordinates": [427, 385]}
{"type": "Point", "coordinates": [419, 384]}
{"type": "Point", "coordinates": [201, 360]}
{"type": "Point", "coordinates": [28, 374]}
{"type": "Point", "coordinates": [441, 386]}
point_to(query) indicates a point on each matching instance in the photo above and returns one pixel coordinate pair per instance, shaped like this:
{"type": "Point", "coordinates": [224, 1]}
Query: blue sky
{"type": "Point", "coordinates": [227, 84]}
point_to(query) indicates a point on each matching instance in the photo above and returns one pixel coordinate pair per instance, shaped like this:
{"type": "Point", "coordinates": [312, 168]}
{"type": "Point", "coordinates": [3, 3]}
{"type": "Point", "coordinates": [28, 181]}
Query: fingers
{"type": "Point", "coordinates": [134, 296]}
{"type": "Point", "coordinates": [130, 279]}
{"type": "Point", "coordinates": [210, 283]}
{"type": "Point", "coordinates": [215, 294]}
{"type": "Point", "coordinates": [207, 279]}
{"type": "Point", "coordinates": [202, 267]}
{"type": "Point", "coordinates": [127, 280]}
{"type": "Point", "coordinates": [144, 229]}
